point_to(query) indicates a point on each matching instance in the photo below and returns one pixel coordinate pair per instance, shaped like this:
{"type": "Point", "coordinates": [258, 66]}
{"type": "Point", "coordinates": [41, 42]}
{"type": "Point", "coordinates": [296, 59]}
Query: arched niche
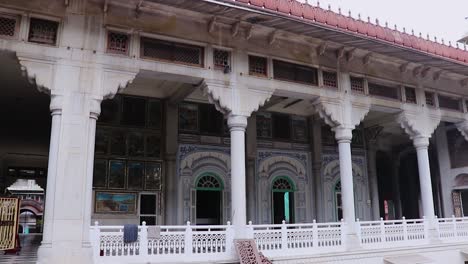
{"type": "Point", "coordinates": [198, 163]}
{"type": "Point", "coordinates": [331, 177]}
{"type": "Point", "coordinates": [281, 165]}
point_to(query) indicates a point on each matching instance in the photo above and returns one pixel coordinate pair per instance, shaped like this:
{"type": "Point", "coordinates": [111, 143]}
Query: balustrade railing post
{"type": "Point", "coordinates": [358, 230]}
{"type": "Point", "coordinates": [284, 236]}
{"type": "Point", "coordinates": [188, 240]}
{"type": "Point", "coordinates": [143, 240]}
{"type": "Point", "coordinates": [405, 228]}
{"type": "Point", "coordinates": [454, 223]}
{"type": "Point", "coordinates": [250, 230]}
{"type": "Point", "coordinates": [315, 237]}
{"type": "Point", "coordinates": [343, 233]}
{"type": "Point", "coordinates": [382, 230]}
{"type": "Point", "coordinates": [229, 239]}
{"type": "Point", "coordinates": [96, 240]}
{"type": "Point", "coordinates": [426, 228]}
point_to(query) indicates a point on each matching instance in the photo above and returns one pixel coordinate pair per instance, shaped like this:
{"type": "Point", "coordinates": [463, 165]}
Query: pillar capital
{"type": "Point", "coordinates": [421, 142]}
{"type": "Point", "coordinates": [95, 107]}
{"type": "Point", "coordinates": [343, 134]}
{"type": "Point", "coordinates": [235, 98]}
{"type": "Point", "coordinates": [237, 122]}
{"type": "Point", "coordinates": [56, 104]}
{"type": "Point", "coordinates": [419, 124]}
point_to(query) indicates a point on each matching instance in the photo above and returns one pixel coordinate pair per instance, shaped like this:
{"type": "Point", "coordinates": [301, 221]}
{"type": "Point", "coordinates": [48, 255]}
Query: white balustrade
{"type": "Point", "coordinates": [298, 239]}
{"type": "Point", "coordinates": [452, 229]}
{"type": "Point", "coordinates": [216, 243]}
{"type": "Point", "coordinates": [392, 233]}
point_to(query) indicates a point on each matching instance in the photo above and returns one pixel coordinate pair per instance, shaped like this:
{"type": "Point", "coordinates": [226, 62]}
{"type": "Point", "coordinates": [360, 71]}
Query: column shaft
{"type": "Point", "coordinates": [89, 179]}
{"type": "Point", "coordinates": [237, 125]}
{"type": "Point", "coordinates": [51, 178]}
{"type": "Point", "coordinates": [347, 188]}
{"type": "Point", "coordinates": [421, 145]}
{"type": "Point", "coordinates": [373, 181]}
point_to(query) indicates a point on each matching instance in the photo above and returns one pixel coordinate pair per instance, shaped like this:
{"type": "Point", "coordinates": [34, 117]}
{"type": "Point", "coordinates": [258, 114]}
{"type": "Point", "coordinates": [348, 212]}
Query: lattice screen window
{"type": "Point", "coordinates": [118, 42]}
{"type": "Point", "coordinates": [410, 95]}
{"type": "Point", "coordinates": [8, 26]}
{"type": "Point", "coordinates": [221, 59]}
{"type": "Point", "coordinates": [172, 51]}
{"type": "Point", "coordinates": [287, 71]}
{"type": "Point", "coordinates": [450, 103]}
{"type": "Point", "coordinates": [384, 91]}
{"type": "Point", "coordinates": [258, 66]}
{"type": "Point", "coordinates": [357, 84]}
{"type": "Point", "coordinates": [43, 31]}
{"type": "Point", "coordinates": [430, 99]}
{"type": "Point", "coordinates": [330, 79]}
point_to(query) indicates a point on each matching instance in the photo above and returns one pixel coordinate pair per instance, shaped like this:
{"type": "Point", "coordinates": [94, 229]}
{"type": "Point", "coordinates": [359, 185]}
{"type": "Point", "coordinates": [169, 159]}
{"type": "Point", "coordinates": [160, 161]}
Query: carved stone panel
{"type": "Point", "coordinates": [293, 165]}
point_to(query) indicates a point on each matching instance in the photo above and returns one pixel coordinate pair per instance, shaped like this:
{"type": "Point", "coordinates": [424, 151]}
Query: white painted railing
{"type": "Point", "coordinates": [392, 233]}
{"type": "Point", "coordinates": [452, 229]}
{"type": "Point", "coordinates": [216, 243]}
{"type": "Point", "coordinates": [194, 243]}
{"type": "Point", "coordinates": [298, 239]}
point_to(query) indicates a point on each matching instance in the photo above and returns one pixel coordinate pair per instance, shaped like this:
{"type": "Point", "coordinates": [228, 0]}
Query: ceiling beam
{"type": "Point", "coordinates": [180, 94]}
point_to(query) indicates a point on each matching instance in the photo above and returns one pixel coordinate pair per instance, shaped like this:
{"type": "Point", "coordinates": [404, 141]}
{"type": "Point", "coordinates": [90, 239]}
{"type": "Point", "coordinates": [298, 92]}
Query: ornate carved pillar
{"type": "Point", "coordinates": [371, 135]}
{"type": "Point", "coordinates": [75, 107]}
{"type": "Point", "coordinates": [94, 112]}
{"type": "Point", "coordinates": [343, 114]}
{"type": "Point", "coordinates": [420, 126]}
{"type": "Point", "coordinates": [237, 125]}
{"type": "Point", "coordinates": [56, 102]}
{"type": "Point", "coordinates": [237, 101]}
{"type": "Point", "coordinates": [251, 173]}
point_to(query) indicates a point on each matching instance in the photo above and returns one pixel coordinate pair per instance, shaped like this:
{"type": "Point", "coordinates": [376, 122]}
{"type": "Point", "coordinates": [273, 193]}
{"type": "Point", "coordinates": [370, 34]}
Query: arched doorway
{"type": "Point", "coordinates": [209, 188]}
{"type": "Point", "coordinates": [338, 201]}
{"type": "Point", "coordinates": [283, 200]}
{"type": "Point", "coordinates": [28, 220]}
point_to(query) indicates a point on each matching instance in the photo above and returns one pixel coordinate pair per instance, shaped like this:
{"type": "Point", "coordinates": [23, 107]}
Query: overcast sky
{"type": "Point", "coordinates": [443, 19]}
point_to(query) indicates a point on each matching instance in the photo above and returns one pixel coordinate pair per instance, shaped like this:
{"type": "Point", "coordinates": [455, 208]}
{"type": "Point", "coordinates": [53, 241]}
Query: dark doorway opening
{"type": "Point", "coordinates": [208, 207]}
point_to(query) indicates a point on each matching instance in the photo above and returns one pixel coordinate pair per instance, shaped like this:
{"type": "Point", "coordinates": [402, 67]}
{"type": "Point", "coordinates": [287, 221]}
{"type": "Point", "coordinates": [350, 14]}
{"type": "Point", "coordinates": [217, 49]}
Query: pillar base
{"type": "Point", "coordinates": [70, 253]}
{"type": "Point", "coordinates": [352, 242]}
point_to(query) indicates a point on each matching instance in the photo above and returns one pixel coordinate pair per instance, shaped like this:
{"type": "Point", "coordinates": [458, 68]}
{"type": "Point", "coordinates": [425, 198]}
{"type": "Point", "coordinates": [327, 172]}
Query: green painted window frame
{"type": "Point", "coordinates": [209, 174]}
{"type": "Point", "coordinates": [291, 183]}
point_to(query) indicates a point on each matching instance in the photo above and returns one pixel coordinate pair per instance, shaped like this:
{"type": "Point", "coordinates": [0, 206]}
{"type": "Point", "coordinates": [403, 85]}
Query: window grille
{"type": "Point", "coordinates": [172, 51]}
{"type": "Point", "coordinates": [429, 98]}
{"type": "Point", "coordinates": [410, 95]}
{"type": "Point", "coordinates": [449, 103]}
{"type": "Point", "coordinates": [357, 84]}
{"type": "Point", "coordinates": [221, 59]}
{"type": "Point", "coordinates": [293, 72]}
{"type": "Point", "coordinates": [258, 66]}
{"type": "Point", "coordinates": [118, 43]}
{"type": "Point", "coordinates": [282, 184]}
{"type": "Point", "coordinates": [43, 31]}
{"type": "Point", "coordinates": [8, 26]}
{"type": "Point", "coordinates": [209, 182]}
{"type": "Point", "coordinates": [330, 79]}
{"type": "Point", "coordinates": [384, 91]}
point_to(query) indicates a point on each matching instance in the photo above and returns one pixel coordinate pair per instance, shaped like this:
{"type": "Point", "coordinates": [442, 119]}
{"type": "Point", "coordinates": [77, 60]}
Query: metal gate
{"type": "Point", "coordinates": [9, 218]}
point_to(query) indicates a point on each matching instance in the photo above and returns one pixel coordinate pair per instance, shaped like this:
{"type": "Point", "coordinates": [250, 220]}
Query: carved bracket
{"type": "Point", "coordinates": [419, 124]}
{"type": "Point", "coordinates": [342, 112]}
{"type": "Point", "coordinates": [114, 81]}
{"type": "Point", "coordinates": [230, 98]}
{"type": "Point", "coordinates": [38, 73]}
{"type": "Point", "coordinates": [463, 128]}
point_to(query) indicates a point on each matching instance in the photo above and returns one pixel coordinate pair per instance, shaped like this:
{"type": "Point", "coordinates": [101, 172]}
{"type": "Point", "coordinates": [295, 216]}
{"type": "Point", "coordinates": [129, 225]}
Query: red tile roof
{"type": "Point", "coordinates": [334, 20]}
